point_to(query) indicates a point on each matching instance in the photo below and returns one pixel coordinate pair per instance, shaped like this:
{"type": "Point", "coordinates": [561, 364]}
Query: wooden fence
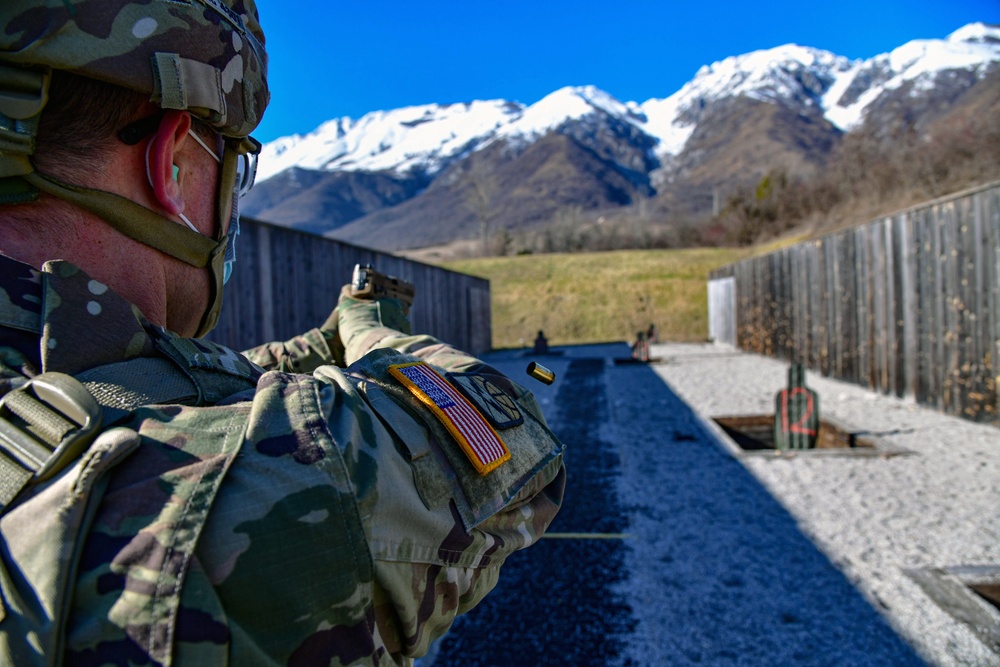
{"type": "Point", "coordinates": [286, 282]}
{"type": "Point", "coordinates": [908, 304]}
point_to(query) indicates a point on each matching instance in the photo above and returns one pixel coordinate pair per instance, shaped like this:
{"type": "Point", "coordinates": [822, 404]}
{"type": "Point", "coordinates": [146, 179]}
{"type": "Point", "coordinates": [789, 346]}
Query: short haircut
{"type": "Point", "coordinates": [80, 122]}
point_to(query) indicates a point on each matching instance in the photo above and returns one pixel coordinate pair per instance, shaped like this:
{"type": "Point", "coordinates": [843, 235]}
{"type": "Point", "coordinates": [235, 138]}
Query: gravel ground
{"type": "Point", "coordinates": [873, 518]}
{"type": "Point", "coordinates": [674, 549]}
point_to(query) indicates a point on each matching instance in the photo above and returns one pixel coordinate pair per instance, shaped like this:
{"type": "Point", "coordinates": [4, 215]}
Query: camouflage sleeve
{"type": "Point", "coordinates": [368, 325]}
{"type": "Point", "coordinates": [301, 354]}
{"type": "Point", "coordinates": [363, 326]}
{"type": "Point", "coordinates": [418, 602]}
{"type": "Point", "coordinates": [437, 530]}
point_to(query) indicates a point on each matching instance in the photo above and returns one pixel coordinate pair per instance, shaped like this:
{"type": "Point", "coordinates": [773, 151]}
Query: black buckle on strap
{"type": "Point", "coordinates": [47, 423]}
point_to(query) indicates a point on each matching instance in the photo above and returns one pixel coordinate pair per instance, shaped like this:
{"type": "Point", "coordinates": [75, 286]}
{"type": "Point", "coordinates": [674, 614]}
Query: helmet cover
{"type": "Point", "coordinates": [202, 56]}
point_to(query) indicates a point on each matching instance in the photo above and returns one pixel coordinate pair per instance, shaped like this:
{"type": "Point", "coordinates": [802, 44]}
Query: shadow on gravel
{"type": "Point", "coordinates": [713, 570]}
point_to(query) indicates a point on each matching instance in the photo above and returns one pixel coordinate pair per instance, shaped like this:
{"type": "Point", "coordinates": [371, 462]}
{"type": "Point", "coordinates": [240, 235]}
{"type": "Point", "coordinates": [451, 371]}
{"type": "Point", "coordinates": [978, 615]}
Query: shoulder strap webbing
{"type": "Point", "coordinates": [50, 420]}
{"type": "Point", "coordinates": [124, 386]}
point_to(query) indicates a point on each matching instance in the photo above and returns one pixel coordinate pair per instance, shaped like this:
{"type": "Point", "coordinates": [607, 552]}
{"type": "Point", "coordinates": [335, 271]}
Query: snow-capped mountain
{"type": "Point", "coordinates": [426, 138]}
{"type": "Point", "coordinates": [816, 94]}
{"type": "Point", "coordinates": [413, 138]}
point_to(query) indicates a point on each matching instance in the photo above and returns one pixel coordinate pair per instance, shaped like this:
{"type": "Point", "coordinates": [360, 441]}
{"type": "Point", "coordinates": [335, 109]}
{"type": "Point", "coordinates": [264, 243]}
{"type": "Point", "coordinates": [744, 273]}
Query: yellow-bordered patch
{"type": "Point", "coordinates": [482, 445]}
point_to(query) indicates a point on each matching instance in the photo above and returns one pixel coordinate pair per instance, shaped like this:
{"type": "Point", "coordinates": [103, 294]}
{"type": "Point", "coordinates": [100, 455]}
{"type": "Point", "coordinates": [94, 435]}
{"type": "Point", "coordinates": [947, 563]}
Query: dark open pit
{"type": "Point", "coordinates": [971, 594]}
{"type": "Point", "coordinates": [756, 432]}
{"type": "Point", "coordinates": [989, 592]}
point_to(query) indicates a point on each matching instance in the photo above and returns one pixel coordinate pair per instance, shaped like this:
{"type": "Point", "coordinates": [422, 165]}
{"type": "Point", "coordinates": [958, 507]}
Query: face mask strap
{"type": "Point", "coordinates": [194, 135]}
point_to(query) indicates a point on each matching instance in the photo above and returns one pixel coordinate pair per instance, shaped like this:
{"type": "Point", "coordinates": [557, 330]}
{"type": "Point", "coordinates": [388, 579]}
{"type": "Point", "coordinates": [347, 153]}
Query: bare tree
{"type": "Point", "coordinates": [484, 193]}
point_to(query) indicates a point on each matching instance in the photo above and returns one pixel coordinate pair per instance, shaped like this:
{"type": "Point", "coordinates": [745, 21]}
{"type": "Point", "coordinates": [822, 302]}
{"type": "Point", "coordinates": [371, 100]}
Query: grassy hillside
{"type": "Point", "coordinates": [593, 297]}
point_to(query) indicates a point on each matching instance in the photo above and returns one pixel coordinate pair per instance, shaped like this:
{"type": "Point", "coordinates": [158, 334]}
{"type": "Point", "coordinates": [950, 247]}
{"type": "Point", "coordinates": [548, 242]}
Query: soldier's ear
{"type": "Point", "coordinates": [162, 159]}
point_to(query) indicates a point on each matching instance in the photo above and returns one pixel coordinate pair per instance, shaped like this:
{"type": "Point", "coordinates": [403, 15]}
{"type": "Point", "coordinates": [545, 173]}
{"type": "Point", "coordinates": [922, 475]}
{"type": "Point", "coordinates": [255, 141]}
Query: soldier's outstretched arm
{"type": "Point", "coordinates": [303, 353]}
{"type": "Point", "coordinates": [441, 515]}
{"type": "Point", "coordinates": [380, 500]}
{"type": "Point", "coordinates": [356, 327]}
{"type": "Point", "coordinates": [438, 523]}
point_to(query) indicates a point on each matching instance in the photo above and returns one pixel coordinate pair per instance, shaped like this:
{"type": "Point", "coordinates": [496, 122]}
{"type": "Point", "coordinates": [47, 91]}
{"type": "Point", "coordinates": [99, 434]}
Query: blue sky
{"type": "Point", "coordinates": [330, 58]}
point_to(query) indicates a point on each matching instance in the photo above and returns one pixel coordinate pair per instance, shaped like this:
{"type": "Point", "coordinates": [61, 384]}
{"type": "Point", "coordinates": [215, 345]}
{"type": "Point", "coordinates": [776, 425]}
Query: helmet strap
{"type": "Point", "coordinates": [133, 220]}
{"type": "Point", "coordinates": [150, 228]}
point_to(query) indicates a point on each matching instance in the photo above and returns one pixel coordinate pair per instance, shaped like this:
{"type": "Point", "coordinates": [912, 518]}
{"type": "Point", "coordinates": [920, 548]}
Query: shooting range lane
{"type": "Point", "coordinates": [671, 552]}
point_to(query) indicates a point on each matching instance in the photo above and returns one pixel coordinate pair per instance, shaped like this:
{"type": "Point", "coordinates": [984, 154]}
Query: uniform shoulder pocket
{"type": "Point", "coordinates": [471, 442]}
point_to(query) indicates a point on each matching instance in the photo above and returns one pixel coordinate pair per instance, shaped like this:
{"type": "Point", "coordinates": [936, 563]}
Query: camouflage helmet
{"type": "Point", "coordinates": [202, 56]}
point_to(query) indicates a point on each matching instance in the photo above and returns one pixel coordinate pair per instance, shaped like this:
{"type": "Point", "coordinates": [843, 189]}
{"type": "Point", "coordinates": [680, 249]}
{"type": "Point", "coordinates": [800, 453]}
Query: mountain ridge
{"type": "Point", "coordinates": [659, 146]}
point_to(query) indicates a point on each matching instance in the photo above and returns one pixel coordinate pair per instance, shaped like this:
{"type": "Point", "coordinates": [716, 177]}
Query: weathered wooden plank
{"type": "Point", "coordinates": [828, 307]}
{"type": "Point", "coordinates": [884, 227]}
{"type": "Point", "coordinates": [907, 304]}
{"type": "Point", "coordinates": [846, 307]}
{"type": "Point", "coordinates": [849, 297]}
{"type": "Point", "coordinates": [802, 304]}
{"type": "Point", "coordinates": [927, 296]}
{"type": "Point", "coordinates": [951, 594]}
{"type": "Point", "coordinates": [922, 311]}
{"type": "Point", "coordinates": [939, 371]}
{"type": "Point", "coordinates": [896, 238]}
{"type": "Point", "coordinates": [756, 314]}
{"type": "Point", "coordinates": [950, 281]}
{"type": "Point", "coordinates": [742, 316]}
{"type": "Point", "coordinates": [862, 263]}
{"type": "Point", "coordinates": [970, 360]}
{"type": "Point", "coordinates": [775, 306]}
{"type": "Point", "coordinates": [878, 307]}
{"type": "Point", "coordinates": [992, 216]}
{"type": "Point", "coordinates": [796, 316]}
{"type": "Point", "coordinates": [833, 246]}
{"type": "Point", "coordinates": [787, 303]}
{"type": "Point", "coordinates": [988, 247]}
{"type": "Point", "coordinates": [813, 305]}
{"type": "Point", "coordinates": [979, 393]}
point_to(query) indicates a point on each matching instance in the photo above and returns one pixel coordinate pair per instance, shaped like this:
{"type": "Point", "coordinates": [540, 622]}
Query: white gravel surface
{"type": "Point", "coordinates": [873, 518]}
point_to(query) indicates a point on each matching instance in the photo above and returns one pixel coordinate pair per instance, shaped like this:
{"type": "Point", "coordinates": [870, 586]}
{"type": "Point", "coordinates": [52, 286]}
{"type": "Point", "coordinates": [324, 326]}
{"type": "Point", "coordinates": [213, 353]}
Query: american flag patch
{"type": "Point", "coordinates": [481, 444]}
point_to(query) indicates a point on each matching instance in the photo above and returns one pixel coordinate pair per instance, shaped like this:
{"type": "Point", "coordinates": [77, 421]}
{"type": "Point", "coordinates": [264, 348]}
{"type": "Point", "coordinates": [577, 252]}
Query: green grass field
{"type": "Point", "coordinates": [597, 297]}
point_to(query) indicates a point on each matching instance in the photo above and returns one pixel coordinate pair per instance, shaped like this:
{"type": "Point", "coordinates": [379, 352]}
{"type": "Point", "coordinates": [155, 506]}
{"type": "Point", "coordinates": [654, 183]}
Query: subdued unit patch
{"type": "Point", "coordinates": [494, 404]}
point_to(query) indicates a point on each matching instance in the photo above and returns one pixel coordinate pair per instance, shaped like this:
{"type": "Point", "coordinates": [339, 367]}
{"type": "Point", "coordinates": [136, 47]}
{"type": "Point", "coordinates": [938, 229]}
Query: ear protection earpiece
{"type": "Point", "coordinates": [176, 172]}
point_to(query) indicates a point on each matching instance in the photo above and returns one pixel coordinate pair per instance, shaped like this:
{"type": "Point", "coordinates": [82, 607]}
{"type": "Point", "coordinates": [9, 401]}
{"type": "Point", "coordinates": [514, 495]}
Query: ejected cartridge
{"type": "Point", "coordinates": [541, 373]}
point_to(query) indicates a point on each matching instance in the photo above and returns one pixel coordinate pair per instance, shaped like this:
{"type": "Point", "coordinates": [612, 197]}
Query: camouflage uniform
{"type": "Point", "coordinates": [339, 525]}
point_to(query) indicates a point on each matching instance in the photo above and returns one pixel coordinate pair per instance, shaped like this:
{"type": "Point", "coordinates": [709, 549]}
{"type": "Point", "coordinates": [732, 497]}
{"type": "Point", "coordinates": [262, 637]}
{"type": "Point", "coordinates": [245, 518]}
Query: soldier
{"type": "Point", "coordinates": [164, 499]}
